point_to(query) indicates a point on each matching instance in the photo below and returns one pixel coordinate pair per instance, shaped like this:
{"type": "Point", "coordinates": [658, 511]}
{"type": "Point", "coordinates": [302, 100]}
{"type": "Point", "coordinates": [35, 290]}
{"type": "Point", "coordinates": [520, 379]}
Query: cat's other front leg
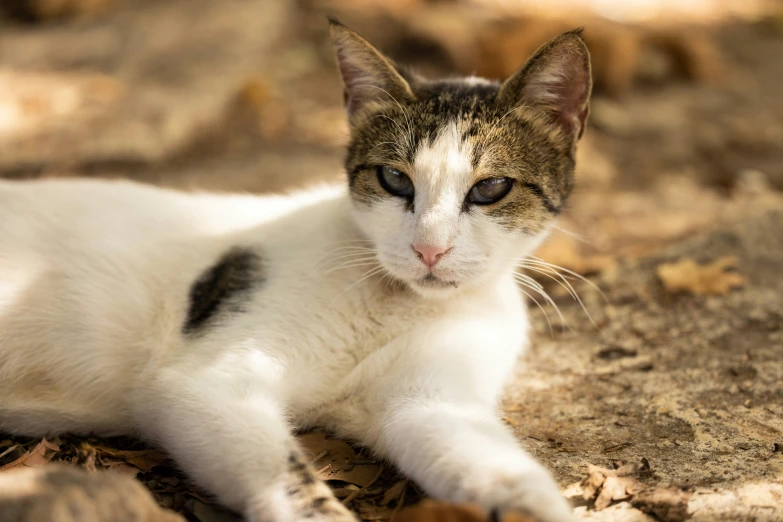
{"type": "Point", "coordinates": [225, 426]}
{"type": "Point", "coordinates": [437, 419]}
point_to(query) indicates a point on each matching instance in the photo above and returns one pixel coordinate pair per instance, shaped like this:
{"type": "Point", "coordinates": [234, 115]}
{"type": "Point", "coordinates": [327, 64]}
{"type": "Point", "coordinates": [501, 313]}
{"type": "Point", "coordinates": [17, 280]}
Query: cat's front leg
{"type": "Point", "coordinates": [461, 452]}
{"type": "Point", "coordinates": [225, 427]}
{"type": "Point", "coordinates": [437, 420]}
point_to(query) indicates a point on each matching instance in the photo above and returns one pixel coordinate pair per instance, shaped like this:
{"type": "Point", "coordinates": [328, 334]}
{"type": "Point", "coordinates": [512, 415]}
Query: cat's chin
{"type": "Point", "coordinates": [432, 287]}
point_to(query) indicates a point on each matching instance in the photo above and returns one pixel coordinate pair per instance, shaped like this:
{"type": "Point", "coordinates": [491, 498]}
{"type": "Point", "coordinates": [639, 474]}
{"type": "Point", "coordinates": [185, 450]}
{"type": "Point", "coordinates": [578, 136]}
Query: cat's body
{"type": "Point", "coordinates": [301, 318]}
{"type": "Point", "coordinates": [214, 325]}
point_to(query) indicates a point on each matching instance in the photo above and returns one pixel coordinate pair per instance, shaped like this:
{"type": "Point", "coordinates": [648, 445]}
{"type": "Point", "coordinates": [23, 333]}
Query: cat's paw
{"type": "Point", "coordinates": [534, 494]}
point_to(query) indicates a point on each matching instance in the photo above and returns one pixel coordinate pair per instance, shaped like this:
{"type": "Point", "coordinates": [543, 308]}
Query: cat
{"type": "Point", "coordinates": [387, 312]}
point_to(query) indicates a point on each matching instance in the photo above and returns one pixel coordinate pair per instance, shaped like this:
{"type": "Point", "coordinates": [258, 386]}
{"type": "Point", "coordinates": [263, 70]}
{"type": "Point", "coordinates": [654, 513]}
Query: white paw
{"type": "Point", "coordinates": [534, 493]}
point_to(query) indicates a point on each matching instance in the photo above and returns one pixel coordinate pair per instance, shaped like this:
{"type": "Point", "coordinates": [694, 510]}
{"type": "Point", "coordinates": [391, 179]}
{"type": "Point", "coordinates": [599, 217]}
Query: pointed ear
{"type": "Point", "coordinates": [367, 75]}
{"type": "Point", "coordinates": [557, 80]}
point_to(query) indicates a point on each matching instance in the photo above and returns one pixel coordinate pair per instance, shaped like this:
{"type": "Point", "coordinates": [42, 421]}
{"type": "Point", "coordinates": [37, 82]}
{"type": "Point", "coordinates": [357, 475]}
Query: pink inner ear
{"type": "Point", "coordinates": [560, 86]}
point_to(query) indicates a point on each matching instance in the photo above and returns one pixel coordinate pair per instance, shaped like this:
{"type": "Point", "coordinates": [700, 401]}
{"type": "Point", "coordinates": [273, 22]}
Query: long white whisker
{"type": "Point", "coordinates": [564, 283]}
{"type": "Point", "coordinates": [409, 135]}
{"type": "Point", "coordinates": [570, 272]}
{"type": "Point", "coordinates": [340, 253]}
{"type": "Point", "coordinates": [367, 275]}
{"type": "Point", "coordinates": [546, 315]}
{"type": "Point", "coordinates": [524, 280]}
{"type": "Point", "coordinates": [370, 254]}
{"type": "Point", "coordinates": [574, 235]}
{"type": "Point", "coordinates": [353, 264]}
{"type": "Point", "coordinates": [496, 126]}
{"type": "Point", "coordinates": [536, 268]}
{"type": "Point", "coordinates": [399, 127]}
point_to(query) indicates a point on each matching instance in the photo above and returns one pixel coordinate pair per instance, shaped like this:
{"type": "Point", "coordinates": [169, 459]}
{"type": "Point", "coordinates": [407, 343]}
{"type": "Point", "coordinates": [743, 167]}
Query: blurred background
{"type": "Point", "coordinates": [677, 213]}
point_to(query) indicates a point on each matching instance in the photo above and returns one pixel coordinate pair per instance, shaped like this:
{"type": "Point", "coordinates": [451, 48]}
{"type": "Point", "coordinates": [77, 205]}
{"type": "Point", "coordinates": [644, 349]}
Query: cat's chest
{"type": "Point", "coordinates": [330, 345]}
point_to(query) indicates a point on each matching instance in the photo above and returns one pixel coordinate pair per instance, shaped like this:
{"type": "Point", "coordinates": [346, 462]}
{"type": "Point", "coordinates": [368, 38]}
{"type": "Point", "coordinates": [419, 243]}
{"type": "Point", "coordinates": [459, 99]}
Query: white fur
{"type": "Point", "coordinates": [94, 281]}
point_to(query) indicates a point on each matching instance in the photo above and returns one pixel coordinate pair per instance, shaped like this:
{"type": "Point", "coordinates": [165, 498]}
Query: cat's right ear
{"type": "Point", "coordinates": [367, 75]}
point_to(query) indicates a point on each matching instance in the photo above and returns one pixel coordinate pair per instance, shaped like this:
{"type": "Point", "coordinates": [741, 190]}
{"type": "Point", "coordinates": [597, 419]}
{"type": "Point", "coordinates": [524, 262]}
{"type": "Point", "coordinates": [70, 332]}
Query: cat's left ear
{"type": "Point", "coordinates": [368, 76]}
{"type": "Point", "coordinates": [556, 80]}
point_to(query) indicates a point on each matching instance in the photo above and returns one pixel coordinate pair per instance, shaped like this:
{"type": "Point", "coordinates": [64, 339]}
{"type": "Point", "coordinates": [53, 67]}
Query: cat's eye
{"type": "Point", "coordinates": [395, 182]}
{"type": "Point", "coordinates": [489, 190]}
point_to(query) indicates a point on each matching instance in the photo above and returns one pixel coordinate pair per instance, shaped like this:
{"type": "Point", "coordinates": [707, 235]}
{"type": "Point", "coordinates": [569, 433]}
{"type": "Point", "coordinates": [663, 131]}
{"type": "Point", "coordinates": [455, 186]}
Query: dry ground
{"type": "Point", "coordinates": [678, 210]}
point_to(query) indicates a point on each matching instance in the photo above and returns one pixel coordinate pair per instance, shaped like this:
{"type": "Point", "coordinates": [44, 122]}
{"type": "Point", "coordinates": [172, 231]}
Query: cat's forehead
{"type": "Point", "coordinates": [470, 101]}
{"type": "Point", "coordinates": [458, 112]}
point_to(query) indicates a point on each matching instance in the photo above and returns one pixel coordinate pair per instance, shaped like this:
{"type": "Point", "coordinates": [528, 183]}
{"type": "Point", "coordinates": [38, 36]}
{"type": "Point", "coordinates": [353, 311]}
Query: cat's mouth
{"type": "Point", "coordinates": [433, 281]}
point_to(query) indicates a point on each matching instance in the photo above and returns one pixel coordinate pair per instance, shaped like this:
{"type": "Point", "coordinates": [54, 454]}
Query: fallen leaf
{"type": "Point", "coordinates": [395, 492]}
{"type": "Point", "coordinates": [336, 460]}
{"type": "Point", "coordinates": [664, 504]}
{"type": "Point", "coordinates": [145, 460]}
{"type": "Point", "coordinates": [8, 450]}
{"type": "Point", "coordinates": [613, 489]}
{"type": "Point", "coordinates": [35, 458]}
{"type": "Point", "coordinates": [122, 468]}
{"type": "Point", "coordinates": [432, 511]}
{"type": "Point", "coordinates": [606, 486]}
{"type": "Point", "coordinates": [686, 275]}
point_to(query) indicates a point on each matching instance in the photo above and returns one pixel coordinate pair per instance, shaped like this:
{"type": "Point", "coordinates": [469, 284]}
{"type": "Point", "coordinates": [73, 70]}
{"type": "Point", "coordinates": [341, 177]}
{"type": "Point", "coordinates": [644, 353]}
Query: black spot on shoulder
{"type": "Point", "coordinates": [234, 274]}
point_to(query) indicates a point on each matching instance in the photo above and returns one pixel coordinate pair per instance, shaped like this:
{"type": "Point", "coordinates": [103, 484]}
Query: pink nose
{"type": "Point", "coordinates": [430, 255]}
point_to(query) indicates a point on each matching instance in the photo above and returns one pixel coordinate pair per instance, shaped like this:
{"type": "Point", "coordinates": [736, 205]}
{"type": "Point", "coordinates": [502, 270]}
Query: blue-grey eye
{"type": "Point", "coordinates": [395, 182]}
{"type": "Point", "coordinates": [489, 190]}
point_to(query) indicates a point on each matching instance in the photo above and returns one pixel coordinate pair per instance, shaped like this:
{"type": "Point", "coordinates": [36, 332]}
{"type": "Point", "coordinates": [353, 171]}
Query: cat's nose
{"type": "Point", "coordinates": [430, 255]}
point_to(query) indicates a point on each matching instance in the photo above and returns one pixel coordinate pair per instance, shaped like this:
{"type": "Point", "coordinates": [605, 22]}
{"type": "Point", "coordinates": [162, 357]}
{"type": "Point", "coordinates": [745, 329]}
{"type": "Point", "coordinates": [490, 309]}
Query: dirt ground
{"type": "Point", "coordinates": [677, 218]}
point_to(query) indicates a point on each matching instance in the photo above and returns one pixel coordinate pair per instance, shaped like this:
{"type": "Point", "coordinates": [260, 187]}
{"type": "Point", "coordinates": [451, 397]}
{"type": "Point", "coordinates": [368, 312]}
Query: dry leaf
{"type": "Point", "coordinates": [432, 511]}
{"type": "Point", "coordinates": [395, 492]}
{"type": "Point", "coordinates": [36, 457]}
{"type": "Point", "coordinates": [122, 469]}
{"type": "Point", "coordinates": [145, 460]}
{"type": "Point", "coordinates": [613, 489]}
{"type": "Point", "coordinates": [607, 486]}
{"type": "Point", "coordinates": [336, 460]}
{"type": "Point", "coordinates": [715, 278]}
{"type": "Point", "coordinates": [666, 505]}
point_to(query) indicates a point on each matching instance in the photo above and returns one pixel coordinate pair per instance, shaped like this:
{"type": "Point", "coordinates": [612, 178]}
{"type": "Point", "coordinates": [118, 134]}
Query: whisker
{"type": "Point", "coordinates": [497, 126]}
{"type": "Point", "coordinates": [524, 280]}
{"type": "Point", "coordinates": [570, 272]}
{"type": "Point", "coordinates": [352, 264]}
{"type": "Point", "coordinates": [574, 235]}
{"type": "Point", "coordinates": [564, 283]}
{"type": "Point", "coordinates": [366, 275]}
{"type": "Point", "coordinates": [539, 269]}
{"type": "Point", "coordinates": [387, 274]}
{"type": "Point", "coordinates": [342, 242]}
{"type": "Point", "coordinates": [340, 250]}
{"type": "Point", "coordinates": [546, 315]}
{"type": "Point", "coordinates": [369, 254]}
{"type": "Point", "coordinates": [409, 135]}
{"type": "Point", "coordinates": [399, 127]}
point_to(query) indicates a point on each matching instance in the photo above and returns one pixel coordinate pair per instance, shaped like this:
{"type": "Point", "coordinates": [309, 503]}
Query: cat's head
{"type": "Point", "coordinates": [454, 180]}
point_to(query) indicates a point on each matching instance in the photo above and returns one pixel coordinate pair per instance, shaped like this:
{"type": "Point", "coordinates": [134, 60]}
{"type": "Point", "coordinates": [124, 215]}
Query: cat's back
{"type": "Point", "coordinates": [91, 206]}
